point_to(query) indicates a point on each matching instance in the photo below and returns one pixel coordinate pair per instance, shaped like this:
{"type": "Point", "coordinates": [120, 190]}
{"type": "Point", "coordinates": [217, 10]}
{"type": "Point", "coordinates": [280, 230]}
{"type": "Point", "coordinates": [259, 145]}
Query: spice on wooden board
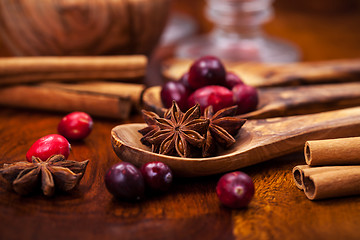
{"type": "Point", "coordinates": [55, 172]}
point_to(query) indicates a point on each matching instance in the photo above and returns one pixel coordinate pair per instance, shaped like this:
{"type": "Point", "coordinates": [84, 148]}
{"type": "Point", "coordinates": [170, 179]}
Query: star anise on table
{"type": "Point", "coordinates": [55, 172]}
{"type": "Point", "coordinates": [223, 127]}
{"type": "Point", "coordinates": [179, 132]}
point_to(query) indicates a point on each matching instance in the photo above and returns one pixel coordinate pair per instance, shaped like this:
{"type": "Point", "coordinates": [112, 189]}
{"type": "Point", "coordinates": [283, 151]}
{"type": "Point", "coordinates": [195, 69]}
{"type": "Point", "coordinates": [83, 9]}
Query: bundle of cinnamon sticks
{"type": "Point", "coordinates": [105, 86]}
{"type": "Point", "coordinates": [332, 169]}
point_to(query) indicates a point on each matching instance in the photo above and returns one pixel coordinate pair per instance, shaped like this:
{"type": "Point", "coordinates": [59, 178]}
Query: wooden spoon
{"type": "Point", "coordinates": [258, 141]}
{"type": "Point", "coordinates": [267, 75]}
{"type": "Point", "coordinates": [284, 101]}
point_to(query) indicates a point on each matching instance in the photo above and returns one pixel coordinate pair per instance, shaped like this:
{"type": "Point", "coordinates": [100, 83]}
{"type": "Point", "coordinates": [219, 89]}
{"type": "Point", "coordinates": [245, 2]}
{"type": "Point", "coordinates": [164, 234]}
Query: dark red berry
{"type": "Point", "coordinates": [75, 125]}
{"type": "Point", "coordinates": [157, 175]}
{"type": "Point", "coordinates": [47, 146]}
{"type": "Point", "coordinates": [125, 182]}
{"type": "Point", "coordinates": [246, 97]}
{"type": "Point", "coordinates": [174, 91]}
{"type": "Point", "coordinates": [185, 81]}
{"type": "Point", "coordinates": [232, 80]}
{"type": "Point", "coordinates": [217, 96]}
{"type": "Point", "coordinates": [205, 71]}
{"type": "Point", "coordinates": [235, 189]}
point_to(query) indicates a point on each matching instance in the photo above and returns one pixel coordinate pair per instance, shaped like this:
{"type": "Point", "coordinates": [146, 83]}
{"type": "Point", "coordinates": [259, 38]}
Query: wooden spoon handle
{"type": "Point", "coordinates": [311, 72]}
{"type": "Point", "coordinates": [278, 136]}
{"type": "Point", "coordinates": [292, 100]}
{"type": "Point", "coordinates": [258, 141]}
{"type": "Point", "coordinates": [268, 75]}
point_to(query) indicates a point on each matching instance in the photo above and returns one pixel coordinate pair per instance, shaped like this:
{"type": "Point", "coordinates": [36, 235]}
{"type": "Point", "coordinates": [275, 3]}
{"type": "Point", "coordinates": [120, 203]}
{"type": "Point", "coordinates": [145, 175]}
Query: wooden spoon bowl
{"type": "Point", "coordinates": [258, 141]}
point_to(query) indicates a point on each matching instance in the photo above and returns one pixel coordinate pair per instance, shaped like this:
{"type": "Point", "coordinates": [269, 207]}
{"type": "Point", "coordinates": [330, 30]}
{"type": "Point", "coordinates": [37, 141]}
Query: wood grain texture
{"type": "Point", "coordinates": [283, 101]}
{"type": "Point", "coordinates": [56, 27]}
{"type": "Point", "coordinates": [190, 204]}
{"type": "Point", "coordinates": [257, 141]}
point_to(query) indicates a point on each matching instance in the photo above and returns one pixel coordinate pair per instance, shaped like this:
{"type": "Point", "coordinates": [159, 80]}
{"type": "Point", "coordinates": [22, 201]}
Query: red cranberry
{"type": "Point", "coordinates": [174, 91]}
{"type": "Point", "coordinates": [235, 189]}
{"type": "Point", "coordinates": [47, 146]}
{"type": "Point", "coordinates": [125, 182]}
{"type": "Point", "coordinates": [157, 175]}
{"type": "Point", "coordinates": [232, 80]}
{"type": "Point", "coordinates": [185, 81]}
{"type": "Point", "coordinates": [246, 97]}
{"type": "Point", "coordinates": [217, 96]}
{"type": "Point", "coordinates": [205, 71]}
{"type": "Point", "coordinates": [76, 125]}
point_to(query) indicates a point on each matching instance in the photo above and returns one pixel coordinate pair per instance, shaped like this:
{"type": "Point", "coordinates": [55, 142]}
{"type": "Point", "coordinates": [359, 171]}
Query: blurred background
{"type": "Point", "coordinates": [322, 29]}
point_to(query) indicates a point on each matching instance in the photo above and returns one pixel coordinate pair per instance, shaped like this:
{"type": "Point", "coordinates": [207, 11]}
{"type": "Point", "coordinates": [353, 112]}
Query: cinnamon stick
{"type": "Point", "coordinates": [301, 171]}
{"type": "Point", "coordinates": [103, 99]}
{"type": "Point", "coordinates": [333, 151]}
{"type": "Point", "coordinates": [35, 69]}
{"type": "Point", "coordinates": [298, 173]}
{"type": "Point", "coordinates": [330, 182]}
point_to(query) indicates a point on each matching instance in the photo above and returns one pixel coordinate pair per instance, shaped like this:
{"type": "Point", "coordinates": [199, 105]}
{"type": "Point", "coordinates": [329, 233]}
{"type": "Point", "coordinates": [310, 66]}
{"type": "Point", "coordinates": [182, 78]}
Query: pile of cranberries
{"type": "Point", "coordinates": [126, 182]}
{"type": "Point", "coordinates": [74, 126]}
{"type": "Point", "coordinates": [208, 83]}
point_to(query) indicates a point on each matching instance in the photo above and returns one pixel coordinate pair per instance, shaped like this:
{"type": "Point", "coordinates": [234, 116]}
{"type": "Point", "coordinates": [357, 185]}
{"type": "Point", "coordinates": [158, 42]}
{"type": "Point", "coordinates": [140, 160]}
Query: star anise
{"type": "Point", "coordinates": [224, 125]}
{"type": "Point", "coordinates": [179, 131]}
{"type": "Point", "coordinates": [151, 128]}
{"type": "Point", "coordinates": [56, 171]}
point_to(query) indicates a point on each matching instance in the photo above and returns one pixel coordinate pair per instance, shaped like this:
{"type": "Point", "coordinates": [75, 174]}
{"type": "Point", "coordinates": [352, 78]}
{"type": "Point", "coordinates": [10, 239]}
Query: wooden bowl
{"type": "Point", "coordinates": [82, 27]}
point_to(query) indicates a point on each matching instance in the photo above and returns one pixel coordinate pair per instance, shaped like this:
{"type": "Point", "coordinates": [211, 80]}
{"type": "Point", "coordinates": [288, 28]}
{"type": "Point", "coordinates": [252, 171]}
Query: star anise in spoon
{"type": "Point", "coordinates": [55, 172]}
{"type": "Point", "coordinates": [151, 128]}
{"type": "Point", "coordinates": [179, 131]}
{"type": "Point", "coordinates": [224, 125]}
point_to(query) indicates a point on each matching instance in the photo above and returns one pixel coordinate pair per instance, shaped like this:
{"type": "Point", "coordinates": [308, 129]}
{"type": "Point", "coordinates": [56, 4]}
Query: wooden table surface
{"type": "Point", "coordinates": [190, 210]}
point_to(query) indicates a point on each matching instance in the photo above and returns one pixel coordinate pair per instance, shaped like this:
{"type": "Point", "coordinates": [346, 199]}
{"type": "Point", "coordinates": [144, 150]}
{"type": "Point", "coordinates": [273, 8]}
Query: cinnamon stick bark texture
{"type": "Point", "coordinates": [333, 151]}
{"type": "Point", "coordinates": [330, 182]}
{"type": "Point", "coordinates": [103, 99]}
{"type": "Point", "coordinates": [35, 69]}
{"type": "Point", "coordinates": [302, 171]}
